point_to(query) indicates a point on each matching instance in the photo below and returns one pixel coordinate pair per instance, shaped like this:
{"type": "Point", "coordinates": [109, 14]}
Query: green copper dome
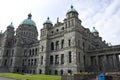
{"type": "Point", "coordinates": [48, 21]}
{"type": "Point", "coordinates": [11, 25]}
{"type": "Point", "coordinates": [29, 21]}
{"type": "Point", "coordinates": [72, 10]}
{"type": "Point", "coordinates": [94, 30]}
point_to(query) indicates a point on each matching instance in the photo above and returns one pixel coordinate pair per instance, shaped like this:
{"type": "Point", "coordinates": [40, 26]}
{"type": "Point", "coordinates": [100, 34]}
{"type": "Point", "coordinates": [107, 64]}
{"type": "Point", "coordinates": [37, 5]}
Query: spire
{"type": "Point", "coordinates": [29, 16]}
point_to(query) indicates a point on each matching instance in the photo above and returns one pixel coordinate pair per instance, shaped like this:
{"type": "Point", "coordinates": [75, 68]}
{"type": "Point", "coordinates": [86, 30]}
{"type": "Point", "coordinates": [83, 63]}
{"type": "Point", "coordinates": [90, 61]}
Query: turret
{"type": "Point", "coordinates": [72, 12]}
{"type": "Point", "coordinates": [8, 36]}
{"type": "Point", "coordinates": [47, 24]}
{"type": "Point", "coordinates": [72, 18]}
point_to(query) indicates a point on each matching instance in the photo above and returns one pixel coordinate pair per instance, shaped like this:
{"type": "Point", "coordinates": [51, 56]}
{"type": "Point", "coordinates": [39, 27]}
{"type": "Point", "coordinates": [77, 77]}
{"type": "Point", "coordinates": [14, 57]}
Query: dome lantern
{"type": "Point", "coordinates": [29, 21]}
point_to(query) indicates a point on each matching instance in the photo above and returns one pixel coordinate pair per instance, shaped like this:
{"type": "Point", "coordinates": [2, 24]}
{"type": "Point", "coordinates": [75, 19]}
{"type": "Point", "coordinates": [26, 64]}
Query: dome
{"type": "Point", "coordinates": [48, 21]}
{"type": "Point", "coordinates": [11, 25]}
{"type": "Point", "coordinates": [72, 10]}
{"type": "Point", "coordinates": [29, 21]}
{"type": "Point", "coordinates": [94, 30]}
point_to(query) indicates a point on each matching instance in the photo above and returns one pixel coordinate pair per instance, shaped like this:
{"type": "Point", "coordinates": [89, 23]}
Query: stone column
{"type": "Point", "coordinates": [105, 63]}
{"type": "Point", "coordinates": [115, 62]}
{"type": "Point", "coordinates": [97, 62]}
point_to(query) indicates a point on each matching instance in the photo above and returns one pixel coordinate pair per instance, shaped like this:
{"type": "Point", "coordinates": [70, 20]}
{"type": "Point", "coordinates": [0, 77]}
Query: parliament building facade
{"type": "Point", "coordinates": [66, 47]}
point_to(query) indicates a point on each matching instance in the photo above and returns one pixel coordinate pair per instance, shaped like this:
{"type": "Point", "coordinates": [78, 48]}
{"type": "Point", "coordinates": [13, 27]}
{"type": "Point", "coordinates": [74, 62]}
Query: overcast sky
{"type": "Point", "coordinates": [103, 14]}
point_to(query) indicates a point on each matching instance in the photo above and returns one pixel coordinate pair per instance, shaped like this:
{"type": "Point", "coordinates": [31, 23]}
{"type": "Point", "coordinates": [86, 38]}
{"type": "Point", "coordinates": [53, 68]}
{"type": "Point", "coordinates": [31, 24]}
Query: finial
{"type": "Point", "coordinates": [29, 16]}
{"type": "Point", "coordinates": [48, 18]}
{"type": "Point", "coordinates": [57, 19]}
{"type": "Point", "coordinates": [71, 6]}
{"type": "Point", "coordinates": [11, 23]}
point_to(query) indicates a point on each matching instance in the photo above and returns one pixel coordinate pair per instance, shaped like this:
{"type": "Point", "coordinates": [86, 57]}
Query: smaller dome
{"type": "Point", "coordinates": [72, 10]}
{"type": "Point", "coordinates": [48, 21]}
{"type": "Point", "coordinates": [94, 30]}
{"type": "Point", "coordinates": [11, 25]}
{"type": "Point", "coordinates": [29, 21]}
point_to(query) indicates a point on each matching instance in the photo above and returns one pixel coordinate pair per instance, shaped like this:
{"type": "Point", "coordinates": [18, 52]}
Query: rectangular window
{"type": "Point", "coordinates": [12, 54]}
{"type": "Point", "coordinates": [41, 59]}
{"type": "Point", "coordinates": [51, 59]}
{"type": "Point", "coordinates": [70, 57]}
{"type": "Point", "coordinates": [79, 57]}
{"type": "Point", "coordinates": [93, 60]}
{"type": "Point", "coordinates": [69, 42]}
{"type": "Point", "coordinates": [56, 59]}
{"type": "Point", "coordinates": [62, 58]}
{"type": "Point", "coordinates": [35, 62]}
{"type": "Point", "coordinates": [11, 62]}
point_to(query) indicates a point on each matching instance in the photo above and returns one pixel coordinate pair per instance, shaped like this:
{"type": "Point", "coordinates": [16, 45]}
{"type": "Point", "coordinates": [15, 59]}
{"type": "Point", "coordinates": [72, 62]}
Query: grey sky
{"type": "Point", "coordinates": [103, 14]}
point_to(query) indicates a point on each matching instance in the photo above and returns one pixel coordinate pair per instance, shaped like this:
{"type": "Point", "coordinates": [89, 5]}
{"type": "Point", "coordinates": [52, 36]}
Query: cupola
{"type": "Point", "coordinates": [72, 12]}
{"type": "Point", "coordinates": [10, 26]}
{"type": "Point", "coordinates": [48, 23]}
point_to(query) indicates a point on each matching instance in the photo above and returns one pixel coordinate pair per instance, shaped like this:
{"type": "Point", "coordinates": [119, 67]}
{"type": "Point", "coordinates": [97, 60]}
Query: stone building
{"type": "Point", "coordinates": [65, 47]}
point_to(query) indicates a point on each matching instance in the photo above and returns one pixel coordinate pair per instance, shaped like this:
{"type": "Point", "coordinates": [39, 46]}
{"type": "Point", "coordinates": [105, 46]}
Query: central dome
{"type": "Point", "coordinates": [29, 21]}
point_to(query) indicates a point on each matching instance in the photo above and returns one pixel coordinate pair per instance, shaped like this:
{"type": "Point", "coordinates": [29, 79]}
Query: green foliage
{"type": "Point", "coordinates": [30, 76]}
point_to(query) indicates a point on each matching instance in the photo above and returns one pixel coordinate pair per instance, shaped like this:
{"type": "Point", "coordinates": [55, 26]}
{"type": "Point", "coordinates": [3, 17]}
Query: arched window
{"type": "Point", "coordinates": [57, 45]}
{"type": "Point", "coordinates": [69, 71]}
{"type": "Point", "coordinates": [52, 46]}
{"type": "Point", "coordinates": [62, 44]}
{"type": "Point", "coordinates": [40, 71]}
{"type": "Point", "coordinates": [56, 72]}
{"type": "Point", "coordinates": [61, 72]}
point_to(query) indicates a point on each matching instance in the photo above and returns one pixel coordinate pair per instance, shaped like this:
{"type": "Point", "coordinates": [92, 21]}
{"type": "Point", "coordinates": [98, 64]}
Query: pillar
{"type": "Point", "coordinates": [115, 62]}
